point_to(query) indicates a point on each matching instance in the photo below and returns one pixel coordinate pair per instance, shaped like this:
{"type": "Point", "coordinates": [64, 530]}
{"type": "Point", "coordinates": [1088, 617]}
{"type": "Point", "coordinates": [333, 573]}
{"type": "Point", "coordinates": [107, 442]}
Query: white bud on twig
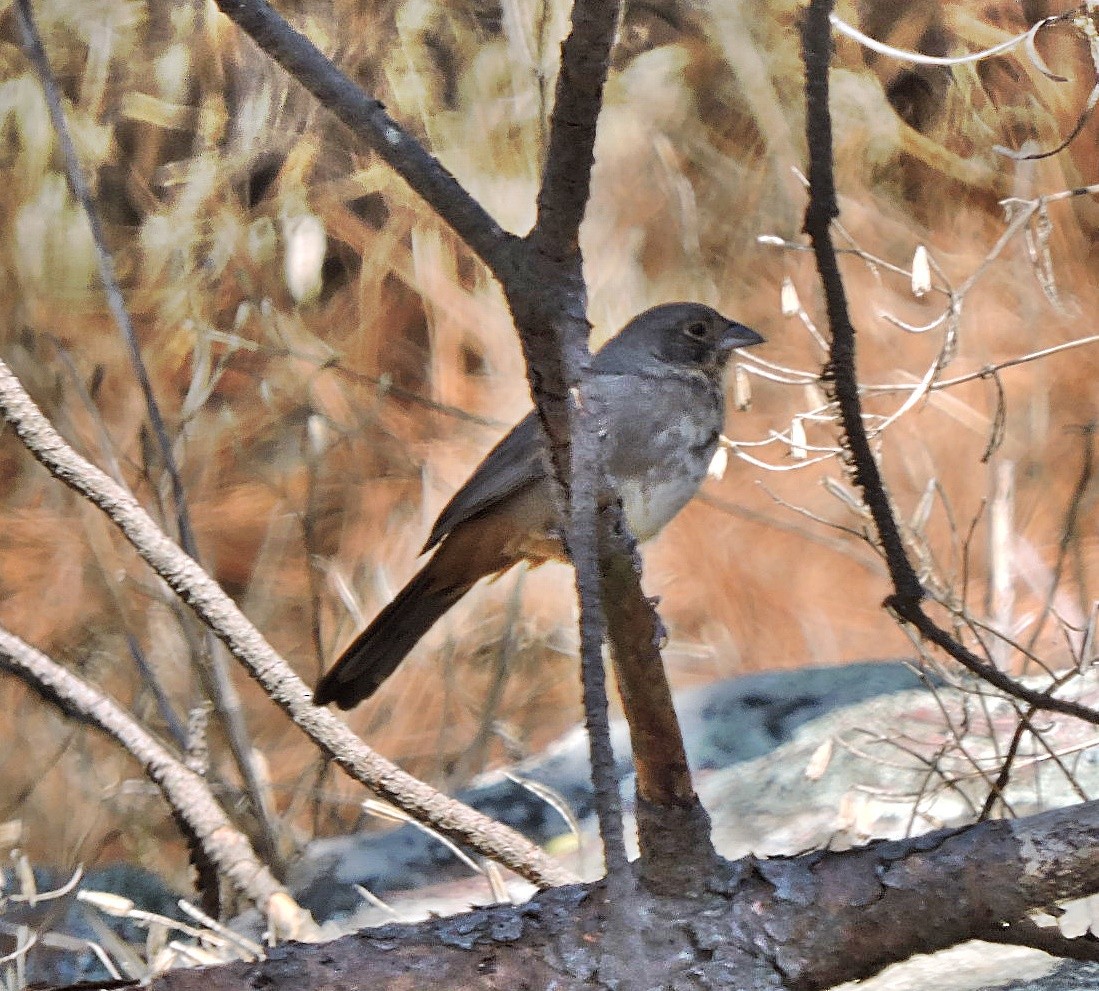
{"type": "Point", "coordinates": [788, 298]}
{"type": "Point", "coordinates": [921, 273]}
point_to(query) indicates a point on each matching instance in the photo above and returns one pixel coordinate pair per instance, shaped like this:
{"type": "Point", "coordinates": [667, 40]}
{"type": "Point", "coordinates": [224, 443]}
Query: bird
{"type": "Point", "coordinates": [660, 382]}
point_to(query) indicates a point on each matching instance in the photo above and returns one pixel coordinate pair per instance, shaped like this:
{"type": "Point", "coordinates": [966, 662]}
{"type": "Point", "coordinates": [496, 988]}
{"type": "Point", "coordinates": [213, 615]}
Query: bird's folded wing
{"type": "Point", "coordinates": [513, 464]}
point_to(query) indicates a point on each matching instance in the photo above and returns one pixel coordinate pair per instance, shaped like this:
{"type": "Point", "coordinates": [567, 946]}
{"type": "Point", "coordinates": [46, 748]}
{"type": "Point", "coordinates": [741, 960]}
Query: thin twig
{"type": "Point", "coordinates": [36, 55]}
{"type": "Point", "coordinates": [904, 55]}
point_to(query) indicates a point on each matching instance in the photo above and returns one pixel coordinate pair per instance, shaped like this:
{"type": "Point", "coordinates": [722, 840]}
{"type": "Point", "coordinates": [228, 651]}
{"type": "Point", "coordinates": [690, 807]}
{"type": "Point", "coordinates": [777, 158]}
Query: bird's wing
{"type": "Point", "coordinates": [513, 464]}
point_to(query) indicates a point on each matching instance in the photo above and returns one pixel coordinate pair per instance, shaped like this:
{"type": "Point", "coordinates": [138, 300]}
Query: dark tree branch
{"type": "Point", "coordinates": [932, 632]}
{"type": "Point", "coordinates": [550, 312]}
{"type": "Point", "coordinates": [636, 635]}
{"type": "Point", "coordinates": [840, 371]}
{"type": "Point", "coordinates": [1048, 939]}
{"type": "Point", "coordinates": [587, 471]}
{"type": "Point", "coordinates": [841, 377]}
{"type": "Point", "coordinates": [566, 182]}
{"type": "Point", "coordinates": [673, 827]}
{"type": "Point", "coordinates": [368, 119]}
{"type": "Point", "coordinates": [542, 278]}
{"type": "Point", "coordinates": [800, 923]}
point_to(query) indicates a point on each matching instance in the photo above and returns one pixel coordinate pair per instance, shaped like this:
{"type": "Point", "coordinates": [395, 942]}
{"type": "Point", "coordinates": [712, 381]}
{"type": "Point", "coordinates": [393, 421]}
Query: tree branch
{"type": "Point", "coordinates": [841, 376]}
{"type": "Point", "coordinates": [566, 181]}
{"type": "Point", "coordinates": [558, 362]}
{"type": "Point", "coordinates": [673, 827]}
{"type": "Point", "coordinates": [245, 642]}
{"type": "Point", "coordinates": [1048, 939]}
{"type": "Point", "coordinates": [185, 791]}
{"type": "Point", "coordinates": [840, 372]}
{"type": "Point", "coordinates": [366, 116]}
{"type": "Point", "coordinates": [805, 922]}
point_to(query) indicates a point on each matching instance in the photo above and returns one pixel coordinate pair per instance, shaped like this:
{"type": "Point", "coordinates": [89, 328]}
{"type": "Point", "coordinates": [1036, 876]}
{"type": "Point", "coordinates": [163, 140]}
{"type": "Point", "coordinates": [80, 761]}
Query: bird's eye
{"type": "Point", "coordinates": [697, 330]}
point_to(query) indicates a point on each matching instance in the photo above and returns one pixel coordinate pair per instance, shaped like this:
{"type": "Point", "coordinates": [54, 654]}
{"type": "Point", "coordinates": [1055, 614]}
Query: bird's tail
{"type": "Point", "coordinates": [376, 652]}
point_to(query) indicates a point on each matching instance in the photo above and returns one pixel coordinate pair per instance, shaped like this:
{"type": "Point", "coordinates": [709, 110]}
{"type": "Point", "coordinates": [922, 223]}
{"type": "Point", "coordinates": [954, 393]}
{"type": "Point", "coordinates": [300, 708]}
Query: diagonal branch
{"type": "Point", "coordinates": [245, 642]}
{"type": "Point", "coordinates": [673, 828]}
{"type": "Point", "coordinates": [186, 792]}
{"type": "Point", "coordinates": [366, 116]}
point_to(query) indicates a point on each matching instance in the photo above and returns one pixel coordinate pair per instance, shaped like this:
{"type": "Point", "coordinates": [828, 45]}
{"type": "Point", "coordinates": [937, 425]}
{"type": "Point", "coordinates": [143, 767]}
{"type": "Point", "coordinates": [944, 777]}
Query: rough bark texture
{"type": "Point", "coordinates": [635, 634]}
{"type": "Point", "coordinates": [805, 922]}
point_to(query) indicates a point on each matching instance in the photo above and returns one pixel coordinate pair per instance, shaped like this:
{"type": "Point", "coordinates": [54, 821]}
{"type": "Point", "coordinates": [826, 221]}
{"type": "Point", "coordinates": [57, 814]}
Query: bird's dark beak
{"type": "Point", "coordinates": [736, 335]}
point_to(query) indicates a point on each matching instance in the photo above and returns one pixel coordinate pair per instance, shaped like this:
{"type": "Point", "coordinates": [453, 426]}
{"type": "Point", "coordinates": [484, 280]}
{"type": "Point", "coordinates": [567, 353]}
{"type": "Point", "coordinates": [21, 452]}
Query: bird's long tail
{"type": "Point", "coordinates": [376, 652]}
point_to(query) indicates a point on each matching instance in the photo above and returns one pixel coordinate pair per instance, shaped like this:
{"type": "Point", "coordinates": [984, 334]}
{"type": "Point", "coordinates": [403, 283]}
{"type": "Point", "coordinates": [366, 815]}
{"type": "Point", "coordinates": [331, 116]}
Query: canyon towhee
{"type": "Point", "coordinates": [660, 381]}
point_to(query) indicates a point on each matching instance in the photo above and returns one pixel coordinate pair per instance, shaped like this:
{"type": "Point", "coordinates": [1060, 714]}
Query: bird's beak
{"type": "Point", "coordinates": [736, 335]}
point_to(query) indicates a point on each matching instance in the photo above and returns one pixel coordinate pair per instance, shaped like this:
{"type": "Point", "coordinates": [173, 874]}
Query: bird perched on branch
{"type": "Point", "coordinates": [660, 383]}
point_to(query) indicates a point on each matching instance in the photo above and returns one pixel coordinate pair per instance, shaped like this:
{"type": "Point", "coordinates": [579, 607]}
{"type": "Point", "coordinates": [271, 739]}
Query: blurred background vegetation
{"type": "Point", "coordinates": [332, 362]}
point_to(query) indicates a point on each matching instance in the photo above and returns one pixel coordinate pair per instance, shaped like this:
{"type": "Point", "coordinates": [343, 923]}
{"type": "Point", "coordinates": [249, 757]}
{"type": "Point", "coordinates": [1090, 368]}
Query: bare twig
{"type": "Point", "coordinates": [903, 55]}
{"type": "Point", "coordinates": [36, 54]}
{"type": "Point", "coordinates": [225, 696]}
{"type": "Point", "coordinates": [1021, 215]}
{"type": "Point", "coordinates": [1083, 19]}
{"type": "Point", "coordinates": [184, 790]}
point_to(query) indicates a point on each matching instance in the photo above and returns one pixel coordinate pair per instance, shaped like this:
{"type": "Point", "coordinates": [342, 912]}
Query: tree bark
{"type": "Point", "coordinates": [800, 923]}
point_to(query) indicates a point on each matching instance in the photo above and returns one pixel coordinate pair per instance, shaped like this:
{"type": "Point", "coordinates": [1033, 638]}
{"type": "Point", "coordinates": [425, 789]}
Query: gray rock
{"type": "Point", "coordinates": [723, 724]}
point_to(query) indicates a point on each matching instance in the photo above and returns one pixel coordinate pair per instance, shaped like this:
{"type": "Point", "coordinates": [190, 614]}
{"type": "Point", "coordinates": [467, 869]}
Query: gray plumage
{"type": "Point", "coordinates": [660, 381]}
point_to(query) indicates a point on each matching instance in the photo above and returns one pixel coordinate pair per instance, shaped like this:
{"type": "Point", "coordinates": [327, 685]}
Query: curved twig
{"type": "Point", "coordinates": [904, 55]}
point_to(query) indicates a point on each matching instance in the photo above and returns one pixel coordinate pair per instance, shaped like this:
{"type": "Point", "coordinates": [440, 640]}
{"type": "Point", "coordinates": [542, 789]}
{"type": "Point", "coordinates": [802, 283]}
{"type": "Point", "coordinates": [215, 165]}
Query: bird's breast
{"type": "Point", "coordinates": [658, 461]}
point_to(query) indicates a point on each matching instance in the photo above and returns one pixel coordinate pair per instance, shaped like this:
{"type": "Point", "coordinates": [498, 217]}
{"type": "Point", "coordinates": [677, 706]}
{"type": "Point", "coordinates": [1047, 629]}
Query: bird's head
{"type": "Point", "coordinates": [684, 335]}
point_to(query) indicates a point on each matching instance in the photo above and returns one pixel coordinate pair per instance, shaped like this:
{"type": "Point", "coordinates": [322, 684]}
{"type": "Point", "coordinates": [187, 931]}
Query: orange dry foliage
{"type": "Point", "coordinates": [315, 412]}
